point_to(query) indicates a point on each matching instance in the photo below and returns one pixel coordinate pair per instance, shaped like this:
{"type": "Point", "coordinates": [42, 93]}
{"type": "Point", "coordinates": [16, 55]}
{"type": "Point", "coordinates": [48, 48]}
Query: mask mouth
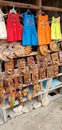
{"type": "Point", "coordinates": [9, 71]}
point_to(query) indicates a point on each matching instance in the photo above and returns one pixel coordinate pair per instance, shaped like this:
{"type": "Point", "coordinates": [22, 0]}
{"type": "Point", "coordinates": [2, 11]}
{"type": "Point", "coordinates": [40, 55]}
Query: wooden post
{"type": "Point", "coordinates": [39, 2]}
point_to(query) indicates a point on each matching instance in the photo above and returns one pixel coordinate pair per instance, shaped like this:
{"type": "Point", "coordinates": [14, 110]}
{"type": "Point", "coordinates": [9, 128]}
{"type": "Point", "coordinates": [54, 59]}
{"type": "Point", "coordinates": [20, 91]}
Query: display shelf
{"type": "Point", "coordinates": [60, 64]}
{"type": "Point", "coordinates": [7, 106]}
{"type": "Point", "coordinates": [24, 5]}
{"type": "Point", "coordinates": [41, 80]}
{"type": "Point", "coordinates": [54, 84]}
{"type": "Point", "coordinates": [31, 54]}
{"type": "Point", "coordinates": [43, 91]}
{"type": "Point", "coordinates": [51, 89]}
{"type": "Point", "coordinates": [49, 51]}
{"type": "Point", "coordinates": [60, 74]}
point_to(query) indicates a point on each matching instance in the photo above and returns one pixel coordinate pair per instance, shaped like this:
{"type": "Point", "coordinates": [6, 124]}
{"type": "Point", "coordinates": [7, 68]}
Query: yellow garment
{"type": "Point", "coordinates": [55, 29]}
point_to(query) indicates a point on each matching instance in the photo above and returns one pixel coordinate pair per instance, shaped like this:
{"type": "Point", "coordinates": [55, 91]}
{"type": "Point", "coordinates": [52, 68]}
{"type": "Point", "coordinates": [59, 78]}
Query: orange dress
{"type": "Point", "coordinates": [44, 30]}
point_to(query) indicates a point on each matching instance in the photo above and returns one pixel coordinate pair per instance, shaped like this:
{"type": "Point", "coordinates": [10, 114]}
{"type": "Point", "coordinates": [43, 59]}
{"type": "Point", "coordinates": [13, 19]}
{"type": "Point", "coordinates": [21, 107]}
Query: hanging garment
{"type": "Point", "coordinates": [55, 28]}
{"type": "Point", "coordinates": [14, 28]}
{"type": "Point", "coordinates": [3, 32]}
{"type": "Point", "coordinates": [29, 31]}
{"type": "Point", "coordinates": [44, 31]}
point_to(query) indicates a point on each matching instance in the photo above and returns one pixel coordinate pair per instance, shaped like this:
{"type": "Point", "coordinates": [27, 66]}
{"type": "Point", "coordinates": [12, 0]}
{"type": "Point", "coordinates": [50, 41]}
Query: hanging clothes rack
{"type": "Point", "coordinates": [31, 6]}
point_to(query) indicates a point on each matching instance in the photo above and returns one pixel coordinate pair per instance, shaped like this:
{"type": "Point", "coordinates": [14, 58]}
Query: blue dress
{"type": "Point", "coordinates": [29, 37]}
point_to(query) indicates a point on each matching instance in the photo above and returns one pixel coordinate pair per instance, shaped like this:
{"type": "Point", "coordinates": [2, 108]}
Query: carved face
{"type": "Point", "coordinates": [9, 67]}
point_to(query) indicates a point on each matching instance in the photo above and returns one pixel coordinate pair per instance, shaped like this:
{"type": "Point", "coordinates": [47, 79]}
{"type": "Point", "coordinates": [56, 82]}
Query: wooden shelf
{"type": "Point", "coordinates": [60, 74]}
{"type": "Point", "coordinates": [60, 64]}
{"type": "Point", "coordinates": [25, 85]}
{"type": "Point", "coordinates": [7, 106]}
{"type": "Point", "coordinates": [51, 89]}
{"type": "Point", "coordinates": [31, 54]}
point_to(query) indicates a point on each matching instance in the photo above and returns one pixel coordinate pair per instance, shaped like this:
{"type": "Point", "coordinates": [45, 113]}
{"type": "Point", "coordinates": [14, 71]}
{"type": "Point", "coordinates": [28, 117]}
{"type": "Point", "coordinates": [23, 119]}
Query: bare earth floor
{"type": "Point", "coordinates": [43, 118]}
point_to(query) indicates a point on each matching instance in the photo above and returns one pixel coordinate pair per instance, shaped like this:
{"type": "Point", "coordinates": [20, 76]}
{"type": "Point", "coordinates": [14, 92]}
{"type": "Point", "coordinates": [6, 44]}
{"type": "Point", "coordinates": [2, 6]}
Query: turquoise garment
{"type": "Point", "coordinates": [29, 37]}
{"type": "Point", "coordinates": [55, 29]}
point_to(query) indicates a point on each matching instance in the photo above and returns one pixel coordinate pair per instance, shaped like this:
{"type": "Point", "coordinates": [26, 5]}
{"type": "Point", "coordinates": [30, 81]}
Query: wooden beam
{"type": "Point", "coordinates": [17, 4]}
{"type": "Point", "coordinates": [24, 5]}
{"type": "Point", "coordinates": [51, 8]}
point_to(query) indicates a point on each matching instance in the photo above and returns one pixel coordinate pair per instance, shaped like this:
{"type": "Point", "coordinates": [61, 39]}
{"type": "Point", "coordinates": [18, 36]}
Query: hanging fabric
{"type": "Point", "coordinates": [29, 31]}
{"type": "Point", "coordinates": [44, 31]}
{"type": "Point", "coordinates": [14, 28]}
{"type": "Point", "coordinates": [55, 28]}
{"type": "Point", "coordinates": [3, 32]}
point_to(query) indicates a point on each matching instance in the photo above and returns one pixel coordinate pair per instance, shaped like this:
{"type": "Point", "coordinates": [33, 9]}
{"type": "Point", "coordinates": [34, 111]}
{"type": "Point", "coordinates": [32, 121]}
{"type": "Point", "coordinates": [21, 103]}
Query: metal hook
{"type": "Point", "coordinates": [28, 6]}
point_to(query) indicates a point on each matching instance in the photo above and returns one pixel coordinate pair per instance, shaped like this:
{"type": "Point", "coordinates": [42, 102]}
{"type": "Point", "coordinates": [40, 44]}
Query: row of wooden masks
{"type": "Point", "coordinates": [35, 71]}
{"type": "Point", "coordinates": [31, 67]}
{"type": "Point", "coordinates": [43, 64]}
{"type": "Point", "coordinates": [48, 67]}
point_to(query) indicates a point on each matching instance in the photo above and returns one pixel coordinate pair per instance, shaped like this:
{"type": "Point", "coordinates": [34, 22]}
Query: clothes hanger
{"type": "Point", "coordinates": [56, 14]}
{"type": "Point", "coordinates": [13, 10]}
{"type": "Point", "coordinates": [29, 11]}
{"type": "Point", "coordinates": [41, 12]}
{"type": "Point", "coordinates": [5, 10]}
{"type": "Point", "coordinates": [1, 12]}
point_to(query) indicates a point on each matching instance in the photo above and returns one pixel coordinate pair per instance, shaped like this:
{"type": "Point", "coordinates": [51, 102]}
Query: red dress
{"type": "Point", "coordinates": [14, 28]}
